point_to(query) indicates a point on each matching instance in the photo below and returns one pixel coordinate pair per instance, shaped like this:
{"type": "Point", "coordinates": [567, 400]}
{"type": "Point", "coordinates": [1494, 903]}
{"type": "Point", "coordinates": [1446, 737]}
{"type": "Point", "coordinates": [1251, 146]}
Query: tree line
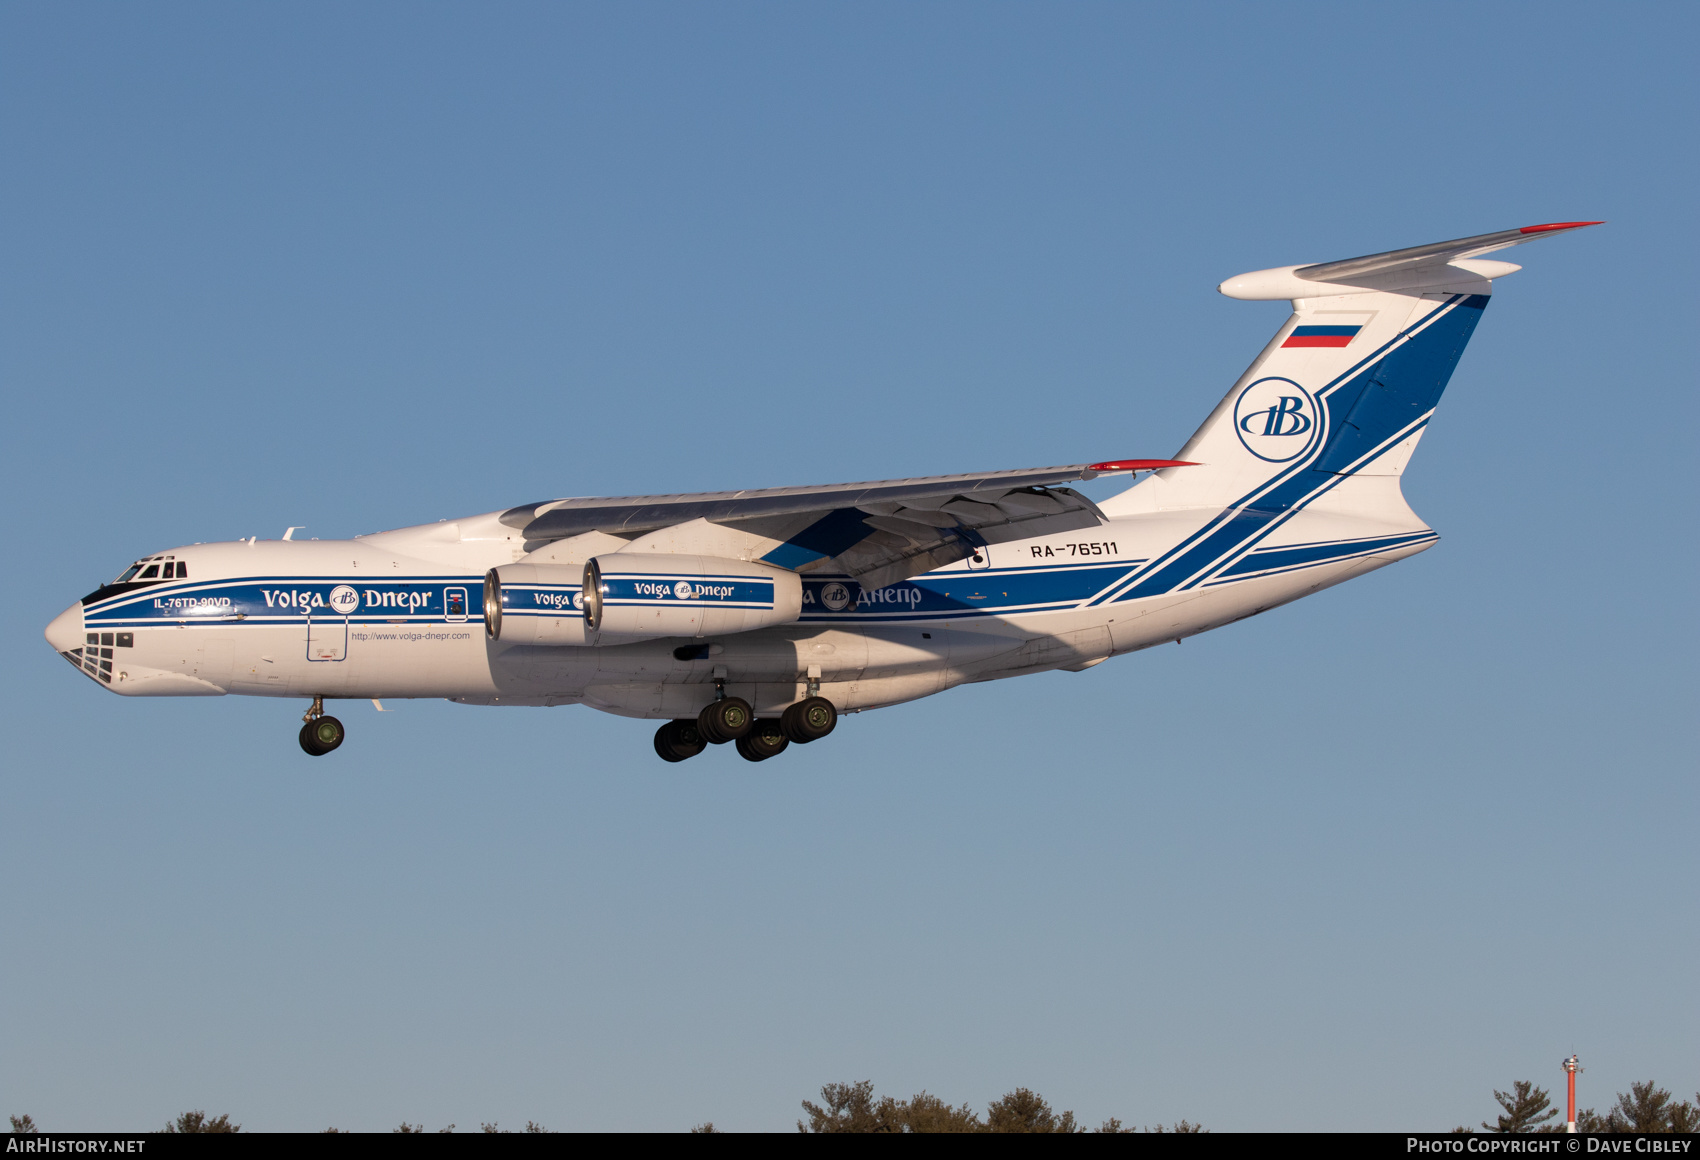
{"type": "Point", "coordinates": [1645, 1107]}
{"type": "Point", "coordinates": [853, 1107]}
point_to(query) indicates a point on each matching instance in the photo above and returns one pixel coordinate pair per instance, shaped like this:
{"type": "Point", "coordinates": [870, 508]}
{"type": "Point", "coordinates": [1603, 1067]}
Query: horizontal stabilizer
{"type": "Point", "coordinates": [1417, 269]}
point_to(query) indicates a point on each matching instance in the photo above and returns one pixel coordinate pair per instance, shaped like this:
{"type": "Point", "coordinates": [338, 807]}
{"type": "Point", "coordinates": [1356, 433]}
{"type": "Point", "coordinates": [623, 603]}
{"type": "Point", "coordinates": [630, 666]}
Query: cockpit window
{"type": "Point", "coordinates": [151, 572]}
{"type": "Point", "coordinates": [133, 569]}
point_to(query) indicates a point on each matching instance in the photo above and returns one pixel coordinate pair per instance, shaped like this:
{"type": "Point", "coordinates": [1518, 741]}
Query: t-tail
{"type": "Point", "coordinates": [1327, 416]}
{"type": "Point", "coordinates": [1348, 383]}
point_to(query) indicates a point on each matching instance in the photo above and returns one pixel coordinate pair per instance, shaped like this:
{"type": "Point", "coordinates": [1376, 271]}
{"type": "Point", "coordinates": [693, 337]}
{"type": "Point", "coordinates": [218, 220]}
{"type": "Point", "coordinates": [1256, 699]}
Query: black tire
{"type": "Point", "coordinates": [725, 720]}
{"type": "Point", "coordinates": [809, 720]}
{"type": "Point", "coordinates": [321, 736]}
{"type": "Point", "coordinates": [678, 740]}
{"type": "Point", "coordinates": [764, 740]}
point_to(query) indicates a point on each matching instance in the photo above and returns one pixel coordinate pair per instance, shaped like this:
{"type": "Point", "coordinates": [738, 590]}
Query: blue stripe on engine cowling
{"type": "Point", "coordinates": [554, 601]}
{"type": "Point", "coordinates": [652, 589]}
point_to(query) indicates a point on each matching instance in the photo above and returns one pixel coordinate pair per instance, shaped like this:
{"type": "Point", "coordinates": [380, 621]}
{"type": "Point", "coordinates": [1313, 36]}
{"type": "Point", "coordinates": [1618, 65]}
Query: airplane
{"type": "Point", "coordinates": [757, 617]}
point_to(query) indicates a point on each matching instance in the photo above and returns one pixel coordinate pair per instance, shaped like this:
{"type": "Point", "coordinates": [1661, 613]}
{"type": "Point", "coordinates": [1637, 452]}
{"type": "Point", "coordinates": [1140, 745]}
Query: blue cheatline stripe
{"type": "Point", "coordinates": [1333, 480]}
{"type": "Point", "coordinates": [884, 617]}
{"type": "Point", "coordinates": [325, 583]}
{"type": "Point", "coordinates": [1361, 555]}
{"type": "Point", "coordinates": [1343, 540]}
{"type": "Point", "coordinates": [1267, 559]}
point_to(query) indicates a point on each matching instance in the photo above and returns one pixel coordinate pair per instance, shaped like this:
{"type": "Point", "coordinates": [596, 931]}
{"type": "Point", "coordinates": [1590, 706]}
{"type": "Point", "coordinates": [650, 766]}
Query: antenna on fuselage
{"type": "Point", "coordinates": [289, 533]}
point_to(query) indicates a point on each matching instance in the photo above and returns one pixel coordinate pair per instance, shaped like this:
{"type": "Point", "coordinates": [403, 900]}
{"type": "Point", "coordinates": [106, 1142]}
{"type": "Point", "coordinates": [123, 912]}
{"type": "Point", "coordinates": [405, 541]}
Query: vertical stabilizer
{"type": "Point", "coordinates": [1347, 384]}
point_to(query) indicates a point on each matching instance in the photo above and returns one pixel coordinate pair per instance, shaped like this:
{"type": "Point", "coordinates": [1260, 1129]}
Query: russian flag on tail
{"type": "Point", "coordinates": [1321, 336]}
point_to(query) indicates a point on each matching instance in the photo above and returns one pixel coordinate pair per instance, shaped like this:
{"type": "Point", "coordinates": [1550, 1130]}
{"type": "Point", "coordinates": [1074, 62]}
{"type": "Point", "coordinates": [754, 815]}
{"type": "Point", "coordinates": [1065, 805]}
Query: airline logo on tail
{"type": "Point", "coordinates": [1276, 419]}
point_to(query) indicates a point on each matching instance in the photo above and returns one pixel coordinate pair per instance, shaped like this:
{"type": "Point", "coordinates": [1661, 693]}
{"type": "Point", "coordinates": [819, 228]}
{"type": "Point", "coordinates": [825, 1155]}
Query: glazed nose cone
{"type": "Point", "coordinates": [66, 631]}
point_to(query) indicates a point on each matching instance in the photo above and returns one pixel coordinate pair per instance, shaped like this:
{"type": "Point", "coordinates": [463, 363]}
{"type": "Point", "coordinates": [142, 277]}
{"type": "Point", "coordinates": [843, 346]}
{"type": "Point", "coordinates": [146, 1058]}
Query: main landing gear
{"type": "Point", "coordinates": [320, 734]}
{"type": "Point", "coordinates": [756, 739]}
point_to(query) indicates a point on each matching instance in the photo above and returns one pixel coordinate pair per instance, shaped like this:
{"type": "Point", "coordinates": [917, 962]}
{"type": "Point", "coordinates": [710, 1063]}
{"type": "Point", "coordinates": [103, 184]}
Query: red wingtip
{"type": "Point", "coordinates": [1138, 464]}
{"type": "Point", "coordinates": [1557, 226]}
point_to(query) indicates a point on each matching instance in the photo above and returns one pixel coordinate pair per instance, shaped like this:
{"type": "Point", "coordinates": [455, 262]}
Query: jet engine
{"type": "Point", "coordinates": [624, 597]}
{"type": "Point", "coordinates": [534, 604]}
{"type": "Point", "coordinates": [632, 596]}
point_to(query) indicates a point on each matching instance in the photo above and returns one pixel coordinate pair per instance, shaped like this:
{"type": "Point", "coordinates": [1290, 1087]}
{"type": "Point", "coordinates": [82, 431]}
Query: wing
{"type": "Point", "coordinates": [878, 532]}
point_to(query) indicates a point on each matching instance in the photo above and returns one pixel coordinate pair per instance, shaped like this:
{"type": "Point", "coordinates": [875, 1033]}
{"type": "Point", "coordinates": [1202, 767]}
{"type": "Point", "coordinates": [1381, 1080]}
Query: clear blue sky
{"type": "Point", "coordinates": [1349, 865]}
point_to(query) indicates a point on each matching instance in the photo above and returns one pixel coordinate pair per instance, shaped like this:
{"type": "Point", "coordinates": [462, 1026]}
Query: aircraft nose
{"type": "Point", "coordinates": [66, 631]}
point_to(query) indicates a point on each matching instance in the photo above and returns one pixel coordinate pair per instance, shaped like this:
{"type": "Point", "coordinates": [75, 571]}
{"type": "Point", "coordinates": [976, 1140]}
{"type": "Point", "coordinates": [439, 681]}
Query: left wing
{"type": "Point", "coordinates": [878, 532]}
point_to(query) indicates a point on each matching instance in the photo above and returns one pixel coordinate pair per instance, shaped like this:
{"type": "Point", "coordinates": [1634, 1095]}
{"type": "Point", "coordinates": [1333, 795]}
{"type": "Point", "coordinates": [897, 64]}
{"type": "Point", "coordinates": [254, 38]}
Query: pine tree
{"type": "Point", "coordinates": [1023, 1110]}
{"type": "Point", "coordinates": [849, 1108]}
{"type": "Point", "coordinates": [1527, 1108]}
{"type": "Point", "coordinates": [1647, 1108]}
{"type": "Point", "coordinates": [201, 1122]}
{"type": "Point", "coordinates": [925, 1112]}
{"type": "Point", "coordinates": [1685, 1117]}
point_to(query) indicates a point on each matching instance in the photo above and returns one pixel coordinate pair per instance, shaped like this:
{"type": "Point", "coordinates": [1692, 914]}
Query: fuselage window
{"type": "Point", "coordinates": [151, 572]}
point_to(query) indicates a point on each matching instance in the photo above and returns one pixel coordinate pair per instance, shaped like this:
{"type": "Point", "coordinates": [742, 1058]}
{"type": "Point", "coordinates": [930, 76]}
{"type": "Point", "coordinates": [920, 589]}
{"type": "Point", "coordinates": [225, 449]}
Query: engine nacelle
{"type": "Point", "coordinates": [632, 596]}
{"type": "Point", "coordinates": [535, 604]}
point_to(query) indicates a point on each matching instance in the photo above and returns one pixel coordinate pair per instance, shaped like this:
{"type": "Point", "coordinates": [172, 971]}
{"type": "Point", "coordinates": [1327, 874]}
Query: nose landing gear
{"type": "Point", "coordinates": [320, 734]}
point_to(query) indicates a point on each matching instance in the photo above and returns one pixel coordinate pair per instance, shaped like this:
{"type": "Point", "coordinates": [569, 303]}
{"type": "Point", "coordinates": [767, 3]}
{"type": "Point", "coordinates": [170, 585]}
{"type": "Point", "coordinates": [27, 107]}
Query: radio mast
{"type": "Point", "coordinates": [1571, 1067]}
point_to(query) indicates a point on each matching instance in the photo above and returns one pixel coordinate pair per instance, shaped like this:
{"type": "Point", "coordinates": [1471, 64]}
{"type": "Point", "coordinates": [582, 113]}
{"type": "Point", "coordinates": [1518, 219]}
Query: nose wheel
{"type": "Point", "coordinates": [320, 733]}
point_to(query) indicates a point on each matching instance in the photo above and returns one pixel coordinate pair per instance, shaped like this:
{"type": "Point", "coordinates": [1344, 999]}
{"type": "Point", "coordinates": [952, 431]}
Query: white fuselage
{"type": "Point", "coordinates": [401, 614]}
{"type": "Point", "coordinates": [1291, 485]}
